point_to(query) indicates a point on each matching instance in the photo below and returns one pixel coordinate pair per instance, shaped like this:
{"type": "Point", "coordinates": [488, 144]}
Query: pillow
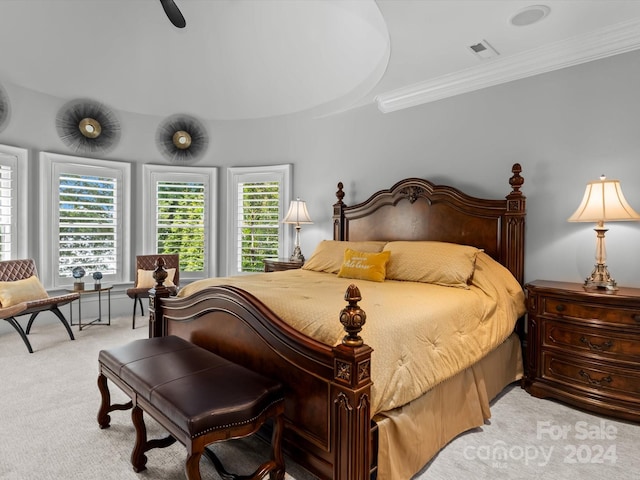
{"type": "Point", "coordinates": [364, 265]}
{"type": "Point", "coordinates": [18, 291]}
{"type": "Point", "coordinates": [441, 263]}
{"type": "Point", "coordinates": [146, 280]}
{"type": "Point", "coordinates": [329, 254]}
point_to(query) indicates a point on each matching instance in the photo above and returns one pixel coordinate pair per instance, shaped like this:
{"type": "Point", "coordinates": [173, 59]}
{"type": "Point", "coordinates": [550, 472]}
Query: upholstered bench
{"type": "Point", "coordinates": [197, 396]}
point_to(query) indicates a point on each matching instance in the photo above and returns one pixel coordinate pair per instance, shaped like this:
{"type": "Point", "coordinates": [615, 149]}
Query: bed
{"type": "Point", "coordinates": [339, 423]}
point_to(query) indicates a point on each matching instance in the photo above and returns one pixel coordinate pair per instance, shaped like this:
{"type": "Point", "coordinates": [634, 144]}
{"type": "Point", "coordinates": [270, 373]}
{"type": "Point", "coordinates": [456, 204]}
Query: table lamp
{"type": "Point", "coordinates": [297, 215]}
{"type": "Point", "coordinates": [603, 202]}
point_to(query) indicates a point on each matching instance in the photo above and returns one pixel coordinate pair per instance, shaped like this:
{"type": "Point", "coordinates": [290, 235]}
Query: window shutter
{"type": "Point", "coordinates": [258, 224]}
{"type": "Point", "coordinates": [88, 224]}
{"type": "Point", "coordinates": [7, 212]}
{"type": "Point", "coordinates": [180, 222]}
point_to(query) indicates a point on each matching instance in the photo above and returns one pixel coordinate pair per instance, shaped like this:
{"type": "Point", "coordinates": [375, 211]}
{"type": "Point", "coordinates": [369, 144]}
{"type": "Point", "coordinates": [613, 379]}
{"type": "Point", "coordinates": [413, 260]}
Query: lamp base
{"type": "Point", "coordinates": [600, 279]}
{"type": "Point", "coordinates": [297, 256]}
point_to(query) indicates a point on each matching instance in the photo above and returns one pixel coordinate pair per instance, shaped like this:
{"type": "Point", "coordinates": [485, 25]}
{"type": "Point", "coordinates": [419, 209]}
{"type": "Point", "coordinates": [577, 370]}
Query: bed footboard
{"type": "Point", "coordinates": [328, 389]}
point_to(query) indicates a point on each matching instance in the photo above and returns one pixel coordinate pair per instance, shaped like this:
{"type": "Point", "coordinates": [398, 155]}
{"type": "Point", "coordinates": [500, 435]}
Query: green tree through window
{"type": "Point", "coordinates": [181, 222]}
{"type": "Point", "coordinates": [259, 223]}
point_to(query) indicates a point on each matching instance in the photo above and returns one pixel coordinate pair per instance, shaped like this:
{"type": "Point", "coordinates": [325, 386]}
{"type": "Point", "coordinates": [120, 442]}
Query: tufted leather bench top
{"type": "Point", "coordinates": [195, 389]}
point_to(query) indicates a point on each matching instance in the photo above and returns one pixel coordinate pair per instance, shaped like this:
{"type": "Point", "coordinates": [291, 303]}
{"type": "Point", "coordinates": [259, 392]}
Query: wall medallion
{"type": "Point", "coordinates": [87, 126]}
{"type": "Point", "coordinates": [182, 139]}
{"type": "Point", "coordinates": [5, 108]}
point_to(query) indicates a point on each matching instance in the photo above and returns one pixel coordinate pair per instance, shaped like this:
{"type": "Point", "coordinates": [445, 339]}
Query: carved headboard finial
{"type": "Point", "coordinates": [516, 181]}
{"type": "Point", "coordinates": [340, 192]}
{"type": "Point", "coordinates": [352, 317]}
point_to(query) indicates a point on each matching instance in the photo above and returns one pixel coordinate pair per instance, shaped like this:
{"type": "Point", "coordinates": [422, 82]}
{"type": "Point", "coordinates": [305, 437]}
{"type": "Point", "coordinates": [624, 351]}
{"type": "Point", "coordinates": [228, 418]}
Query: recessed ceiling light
{"type": "Point", "coordinates": [530, 15]}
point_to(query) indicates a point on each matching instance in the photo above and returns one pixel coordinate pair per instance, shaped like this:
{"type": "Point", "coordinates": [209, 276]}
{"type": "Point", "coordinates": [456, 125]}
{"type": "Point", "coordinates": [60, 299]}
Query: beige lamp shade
{"type": "Point", "coordinates": [603, 201]}
{"type": "Point", "coordinates": [297, 213]}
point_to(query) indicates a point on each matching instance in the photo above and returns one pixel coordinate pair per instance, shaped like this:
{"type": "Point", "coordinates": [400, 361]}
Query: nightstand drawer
{"type": "Point", "coordinates": [596, 341]}
{"type": "Point", "coordinates": [615, 316]}
{"type": "Point", "coordinates": [592, 376]}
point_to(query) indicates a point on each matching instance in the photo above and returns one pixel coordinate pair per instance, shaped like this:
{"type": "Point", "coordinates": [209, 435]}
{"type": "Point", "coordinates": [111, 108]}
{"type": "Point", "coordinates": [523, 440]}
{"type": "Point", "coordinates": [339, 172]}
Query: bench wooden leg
{"type": "Point", "coordinates": [276, 449]}
{"type": "Point", "coordinates": [274, 467]}
{"type": "Point", "coordinates": [138, 457]}
{"type": "Point", "coordinates": [105, 405]}
{"type": "Point", "coordinates": [192, 464]}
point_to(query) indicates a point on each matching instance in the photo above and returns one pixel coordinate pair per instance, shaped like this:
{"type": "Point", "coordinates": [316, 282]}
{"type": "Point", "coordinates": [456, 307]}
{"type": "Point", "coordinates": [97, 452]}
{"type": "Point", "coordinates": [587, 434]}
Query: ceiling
{"type": "Point", "coordinates": [246, 59]}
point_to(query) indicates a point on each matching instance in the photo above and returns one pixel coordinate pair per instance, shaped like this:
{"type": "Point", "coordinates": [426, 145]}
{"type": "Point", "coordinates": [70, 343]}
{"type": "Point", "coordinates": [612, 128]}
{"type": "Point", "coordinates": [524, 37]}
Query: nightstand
{"type": "Point", "coordinates": [583, 347]}
{"type": "Point", "coordinates": [279, 264]}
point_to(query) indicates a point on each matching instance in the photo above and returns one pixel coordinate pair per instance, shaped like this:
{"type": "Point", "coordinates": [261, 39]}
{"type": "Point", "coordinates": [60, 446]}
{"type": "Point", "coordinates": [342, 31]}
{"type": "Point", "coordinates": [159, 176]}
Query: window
{"type": "Point", "coordinates": [257, 198]}
{"type": "Point", "coordinates": [88, 223]}
{"type": "Point", "coordinates": [13, 203]}
{"type": "Point", "coordinates": [85, 209]}
{"type": "Point", "coordinates": [180, 202]}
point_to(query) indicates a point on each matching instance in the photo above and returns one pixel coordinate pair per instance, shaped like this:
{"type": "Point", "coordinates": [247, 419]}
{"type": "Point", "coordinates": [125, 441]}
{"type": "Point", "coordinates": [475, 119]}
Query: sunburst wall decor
{"type": "Point", "coordinates": [87, 126]}
{"type": "Point", "coordinates": [182, 139]}
{"type": "Point", "coordinates": [5, 108]}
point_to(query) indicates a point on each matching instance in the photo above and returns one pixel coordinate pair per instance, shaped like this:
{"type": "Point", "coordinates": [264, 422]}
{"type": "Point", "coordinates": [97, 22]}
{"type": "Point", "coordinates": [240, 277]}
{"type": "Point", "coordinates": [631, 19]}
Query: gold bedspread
{"type": "Point", "coordinates": [422, 334]}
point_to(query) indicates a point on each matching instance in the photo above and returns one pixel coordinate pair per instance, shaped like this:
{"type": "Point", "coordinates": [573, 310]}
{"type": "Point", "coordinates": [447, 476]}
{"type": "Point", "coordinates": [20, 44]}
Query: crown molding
{"type": "Point", "coordinates": [616, 39]}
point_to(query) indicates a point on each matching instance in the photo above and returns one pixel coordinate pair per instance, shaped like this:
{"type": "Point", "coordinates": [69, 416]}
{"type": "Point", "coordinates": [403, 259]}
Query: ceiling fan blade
{"type": "Point", "coordinates": [173, 12]}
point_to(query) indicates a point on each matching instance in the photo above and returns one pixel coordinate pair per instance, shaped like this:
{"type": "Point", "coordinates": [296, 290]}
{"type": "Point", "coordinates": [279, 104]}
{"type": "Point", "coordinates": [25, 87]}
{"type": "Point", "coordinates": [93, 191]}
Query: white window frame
{"type": "Point", "coordinates": [51, 166]}
{"type": "Point", "coordinates": [238, 175]}
{"type": "Point", "coordinates": [18, 159]}
{"type": "Point", "coordinates": [152, 174]}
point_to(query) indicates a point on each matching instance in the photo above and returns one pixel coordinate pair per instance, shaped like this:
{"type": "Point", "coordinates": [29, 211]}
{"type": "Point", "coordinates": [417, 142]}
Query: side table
{"type": "Point", "coordinates": [95, 321]}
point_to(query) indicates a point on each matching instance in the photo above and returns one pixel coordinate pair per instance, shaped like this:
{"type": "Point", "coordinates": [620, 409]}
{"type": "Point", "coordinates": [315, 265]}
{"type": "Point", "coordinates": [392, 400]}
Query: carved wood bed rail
{"type": "Point", "coordinates": [329, 428]}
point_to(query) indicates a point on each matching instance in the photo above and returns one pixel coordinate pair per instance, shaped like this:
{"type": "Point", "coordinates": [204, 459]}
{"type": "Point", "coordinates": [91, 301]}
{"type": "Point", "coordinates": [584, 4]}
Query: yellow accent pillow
{"type": "Point", "coordinates": [364, 265]}
{"type": "Point", "coordinates": [329, 254]}
{"type": "Point", "coordinates": [18, 291]}
{"type": "Point", "coordinates": [441, 263]}
{"type": "Point", "coordinates": [146, 280]}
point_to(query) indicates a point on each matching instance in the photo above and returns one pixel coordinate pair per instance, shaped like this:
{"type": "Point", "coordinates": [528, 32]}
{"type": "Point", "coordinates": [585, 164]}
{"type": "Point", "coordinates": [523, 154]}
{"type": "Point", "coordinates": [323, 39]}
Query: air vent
{"type": "Point", "coordinates": [483, 50]}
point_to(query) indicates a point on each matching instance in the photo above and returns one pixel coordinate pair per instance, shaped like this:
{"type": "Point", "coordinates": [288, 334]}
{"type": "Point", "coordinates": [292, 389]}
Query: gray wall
{"type": "Point", "coordinates": [565, 128]}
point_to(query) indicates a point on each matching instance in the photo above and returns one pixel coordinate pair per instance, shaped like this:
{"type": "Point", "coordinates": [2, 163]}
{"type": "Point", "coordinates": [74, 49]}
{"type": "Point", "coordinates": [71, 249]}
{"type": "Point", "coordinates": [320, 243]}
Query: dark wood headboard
{"type": "Point", "coordinates": [416, 209]}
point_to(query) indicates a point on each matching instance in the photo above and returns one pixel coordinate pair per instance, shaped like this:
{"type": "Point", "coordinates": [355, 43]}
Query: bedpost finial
{"type": "Point", "coordinates": [160, 274]}
{"type": "Point", "coordinates": [516, 180]}
{"type": "Point", "coordinates": [340, 193]}
{"type": "Point", "coordinates": [352, 317]}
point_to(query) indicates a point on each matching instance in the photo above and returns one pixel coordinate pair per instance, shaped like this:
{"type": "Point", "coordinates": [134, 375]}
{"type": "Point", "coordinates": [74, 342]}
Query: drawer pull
{"type": "Point", "coordinates": [593, 381]}
{"type": "Point", "coordinates": [560, 307]}
{"type": "Point", "coordinates": [594, 346]}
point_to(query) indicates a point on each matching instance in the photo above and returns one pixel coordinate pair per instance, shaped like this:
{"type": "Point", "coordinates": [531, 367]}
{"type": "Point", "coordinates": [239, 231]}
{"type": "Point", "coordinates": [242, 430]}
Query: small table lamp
{"type": "Point", "coordinates": [603, 201]}
{"type": "Point", "coordinates": [296, 215]}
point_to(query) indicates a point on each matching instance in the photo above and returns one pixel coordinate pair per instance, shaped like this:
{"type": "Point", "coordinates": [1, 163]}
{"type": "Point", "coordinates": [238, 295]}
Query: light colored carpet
{"type": "Point", "coordinates": [48, 429]}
